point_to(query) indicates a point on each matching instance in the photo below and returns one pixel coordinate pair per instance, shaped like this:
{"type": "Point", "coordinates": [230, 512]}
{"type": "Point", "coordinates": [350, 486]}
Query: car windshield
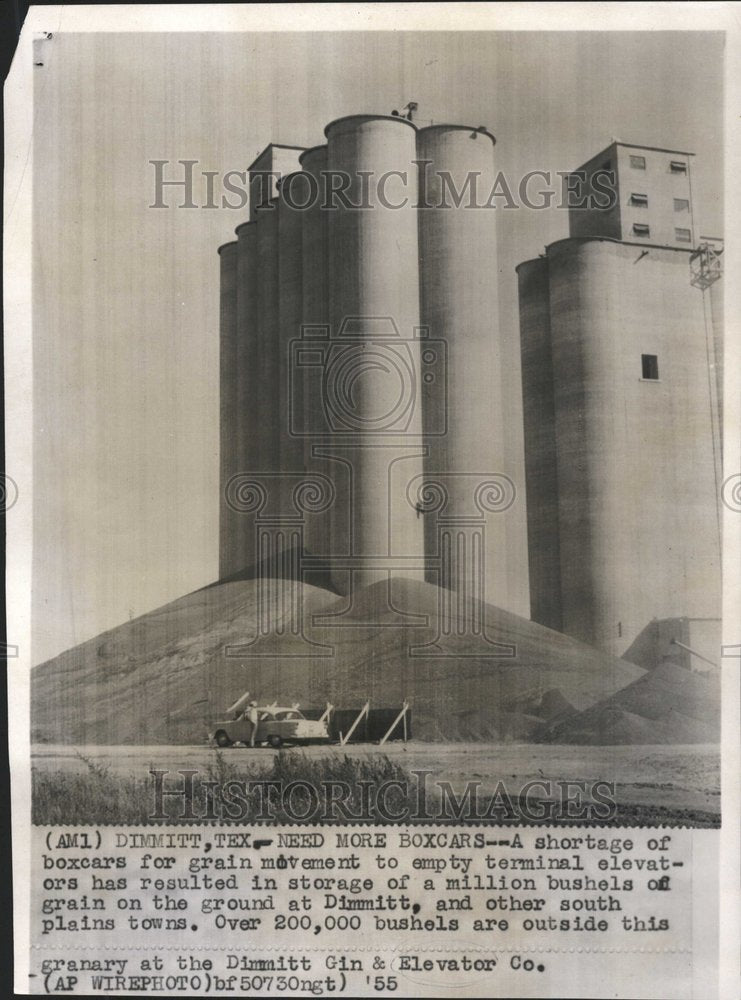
{"type": "Point", "coordinates": [288, 713]}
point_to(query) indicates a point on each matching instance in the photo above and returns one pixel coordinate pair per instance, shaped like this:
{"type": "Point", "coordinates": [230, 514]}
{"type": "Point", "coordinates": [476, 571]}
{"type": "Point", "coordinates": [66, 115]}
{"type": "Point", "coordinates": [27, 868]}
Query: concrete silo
{"type": "Point", "coordinates": [315, 295]}
{"type": "Point", "coordinates": [636, 444]}
{"type": "Point", "coordinates": [228, 463]}
{"type": "Point", "coordinates": [268, 325]}
{"type": "Point", "coordinates": [540, 435]}
{"type": "Point", "coordinates": [247, 413]}
{"type": "Point", "coordinates": [290, 312]}
{"type": "Point", "coordinates": [465, 428]}
{"type": "Point", "coordinates": [370, 383]}
{"type": "Point", "coordinates": [714, 298]}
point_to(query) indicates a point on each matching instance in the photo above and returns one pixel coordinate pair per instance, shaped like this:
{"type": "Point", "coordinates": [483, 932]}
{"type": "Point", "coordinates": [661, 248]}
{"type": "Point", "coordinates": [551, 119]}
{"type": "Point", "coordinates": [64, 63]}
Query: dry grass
{"type": "Point", "coordinates": [98, 796]}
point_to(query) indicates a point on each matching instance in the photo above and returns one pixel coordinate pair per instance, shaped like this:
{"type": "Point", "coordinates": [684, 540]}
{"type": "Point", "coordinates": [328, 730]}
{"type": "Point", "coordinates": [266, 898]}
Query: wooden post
{"type": "Point", "coordinates": [326, 713]}
{"type": "Point", "coordinates": [363, 711]}
{"type": "Point", "coordinates": [402, 715]}
{"type": "Point", "coordinates": [238, 703]}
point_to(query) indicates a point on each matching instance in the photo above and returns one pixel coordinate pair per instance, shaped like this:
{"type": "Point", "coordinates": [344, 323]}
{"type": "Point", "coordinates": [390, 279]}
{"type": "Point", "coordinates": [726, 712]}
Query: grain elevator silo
{"type": "Point", "coordinates": [621, 420]}
{"type": "Point", "coordinates": [290, 319]}
{"type": "Point", "coordinates": [246, 375]}
{"type": "Point", "coordinates": [362, 360]}
{"type": "Point", "coordinates": [370, 378]}
{"type": "Point", "coordinates": [315, 318]}
{"type": "Point", "coordinates": [229, 521]}
{"type": "Point", "coordinates": [466, 428]}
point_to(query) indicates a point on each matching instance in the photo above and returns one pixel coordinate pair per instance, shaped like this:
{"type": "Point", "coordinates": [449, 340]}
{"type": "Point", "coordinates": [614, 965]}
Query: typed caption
{"type": "Point", "coordinates": [359, 911]}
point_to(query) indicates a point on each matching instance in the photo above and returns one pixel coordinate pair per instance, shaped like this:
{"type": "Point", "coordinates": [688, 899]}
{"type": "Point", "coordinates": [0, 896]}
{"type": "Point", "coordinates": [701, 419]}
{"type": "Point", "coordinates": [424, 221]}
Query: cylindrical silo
{"type": "Point", "coordinates": [639, 529]}
{"type": "Point", "coordinates": [228, 518]}
{"type": "Point", "coordinates": [268, 321]}
{"type": "Point", "coordinates": [315, 316]}
{"type": "Point", "coordinates": [290, 310]}
{"type": "Point", "coordinates": [467, 431]}
{"type": "Point", "coordinates": [371, 390]}
{"type": "Point", "coordinates": [717, 314]}
{"type": "Point", "coordinates": [247, 421]}
{"type": "Point", "coordinates": [540, 443]}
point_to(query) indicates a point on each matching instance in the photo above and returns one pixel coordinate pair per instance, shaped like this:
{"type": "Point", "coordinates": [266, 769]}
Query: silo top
{"type": "Point", "coordinates": [368, 118]}
{"type": "Point", "coordinates": [231, 245]}
{"type": "Point", "coordinates": [241, 226]}
{"type": "Point", "coordinates": [540, 260]}
{"type": "Point", "coordinates": [311, 150]}
{"type": "Point", "coordinates": [477, 129]}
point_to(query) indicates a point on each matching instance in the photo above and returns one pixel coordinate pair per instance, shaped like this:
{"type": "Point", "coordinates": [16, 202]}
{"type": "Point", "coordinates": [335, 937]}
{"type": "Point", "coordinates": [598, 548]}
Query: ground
{"type": "Point", "coordinates": [667, 783]}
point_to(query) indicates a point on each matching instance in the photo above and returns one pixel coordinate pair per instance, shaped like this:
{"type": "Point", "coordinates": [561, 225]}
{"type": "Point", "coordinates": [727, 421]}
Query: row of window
{"type": "Point", "coordinates": [675, 166]}
{"type": "Point", "coordinates": [644, 230]}
{"type": "Point", "coordinates": [641, 201]}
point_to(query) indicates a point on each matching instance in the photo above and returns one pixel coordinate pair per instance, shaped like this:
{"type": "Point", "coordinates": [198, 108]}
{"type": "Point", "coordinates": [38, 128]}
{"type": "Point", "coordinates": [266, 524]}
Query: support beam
{"type": "Point", "coordinates": [699, 656]}
{"type": "Point", "coordinates": [239, 703]}
{"type": "Point", "coordinates": [363, 711]}
{"type": "Point", "coordinates": [402, 715]}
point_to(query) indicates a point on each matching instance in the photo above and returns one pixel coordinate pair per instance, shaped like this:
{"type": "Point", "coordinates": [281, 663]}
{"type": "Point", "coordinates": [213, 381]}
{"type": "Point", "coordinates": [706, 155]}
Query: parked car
{"type": "Point", "coordinates": [276, 726]}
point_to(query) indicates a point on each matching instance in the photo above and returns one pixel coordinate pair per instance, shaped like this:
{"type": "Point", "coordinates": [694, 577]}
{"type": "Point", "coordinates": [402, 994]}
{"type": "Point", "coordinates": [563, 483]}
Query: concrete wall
{"type": "Point", "coordinates": [660, 185]}
{"type": "Point", "coordinates": [290, 314]}
{"type": "Point", "coordinates": [715, 300]}
{"type": "Point", "coordinates": [228, 519]}
{"type": "Point", "coordinates": [540, 443]}
{"type": "Point", "coordinates": [371, 387]}
{"type": "Point", "coordinates": [460, 311]}
{"type": "Point", "coordinates": [265, 172]}
{"type": "Point", "coordinates": [268, 318]}
{"type": "Point", "coordinates": [588, 221]}
{"type": "Point", "coordinates": [636, 460]}
{"type": "Point", "coordinates": [247, 377]}
{"type": "Point", "coordinates": [315, 292]}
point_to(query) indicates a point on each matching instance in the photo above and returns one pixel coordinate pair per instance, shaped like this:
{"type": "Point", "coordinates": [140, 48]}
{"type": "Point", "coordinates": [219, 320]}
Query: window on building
{"type": "Point", "coordinates": [678, 166]}
{"type": "Point", "coordinates": [641, 200]}
{"type": "Point", "coordinates": [683, 235]}
{"type": "Point", "coordinates": [650, 366]}
{"type": "Point", "coordinates": [681, 205]}
{"type": "Point", "coordinates": [641, 229]}
{"type": "Point", "coordinates": [638, 162]}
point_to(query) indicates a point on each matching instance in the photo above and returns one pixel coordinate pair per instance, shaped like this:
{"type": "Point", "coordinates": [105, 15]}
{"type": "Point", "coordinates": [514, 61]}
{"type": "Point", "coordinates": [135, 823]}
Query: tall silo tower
{"type": "Point", "coordinates": [466, 427]}
{"type": "Point", "coordinates": [309, 412]}
{"type": "Point", "coordinates": [621, 422]}
{"type": "Point", "coordinates": [229, 521]}
{"type": "Point", "coordinates": [370, 362]}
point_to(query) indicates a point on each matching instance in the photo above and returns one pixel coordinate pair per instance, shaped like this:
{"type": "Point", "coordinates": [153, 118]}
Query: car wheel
{"type": "Point", "coordinates": [222, 740]}
{"type": "Point", "coordinates": [275, 742]}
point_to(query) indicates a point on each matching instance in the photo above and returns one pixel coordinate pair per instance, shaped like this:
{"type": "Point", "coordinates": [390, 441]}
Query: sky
{"type": "Point", "coordinates": [126, 297]}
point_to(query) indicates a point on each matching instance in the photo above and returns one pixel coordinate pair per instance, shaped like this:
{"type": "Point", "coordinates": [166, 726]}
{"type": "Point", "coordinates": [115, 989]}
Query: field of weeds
{"type": "Point", "coordinates": [298, 787]}
{"type": "Point", "coordinates": [289, 788]}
